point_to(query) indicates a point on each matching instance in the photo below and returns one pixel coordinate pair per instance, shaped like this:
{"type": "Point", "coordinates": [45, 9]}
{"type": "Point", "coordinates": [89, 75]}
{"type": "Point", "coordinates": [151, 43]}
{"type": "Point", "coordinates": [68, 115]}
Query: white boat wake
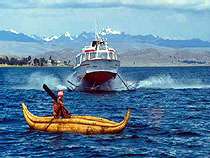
{"type": "Point", "coordinates": [167, 82]}
{"type": "Point", "coordinates": [37, 79]}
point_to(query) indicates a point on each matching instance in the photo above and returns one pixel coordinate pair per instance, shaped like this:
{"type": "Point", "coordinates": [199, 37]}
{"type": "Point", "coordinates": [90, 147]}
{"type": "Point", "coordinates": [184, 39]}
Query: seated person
{"type": "Point", "coordinates": [59, 111]}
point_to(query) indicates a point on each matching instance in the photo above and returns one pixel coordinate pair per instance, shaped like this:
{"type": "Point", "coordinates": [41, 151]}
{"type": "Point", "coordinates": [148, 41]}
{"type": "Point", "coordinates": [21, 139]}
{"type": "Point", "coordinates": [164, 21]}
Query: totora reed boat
{"type": "Point", "coordinates": [88, 125]}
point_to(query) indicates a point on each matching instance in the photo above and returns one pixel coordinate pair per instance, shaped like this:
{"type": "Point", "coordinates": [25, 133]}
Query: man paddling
{"type": "Point", "coordinates": [58, 107]}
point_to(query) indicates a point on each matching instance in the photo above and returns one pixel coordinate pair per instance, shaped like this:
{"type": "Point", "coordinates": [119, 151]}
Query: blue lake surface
{"type": "Point", "coordinates": [170, 114]}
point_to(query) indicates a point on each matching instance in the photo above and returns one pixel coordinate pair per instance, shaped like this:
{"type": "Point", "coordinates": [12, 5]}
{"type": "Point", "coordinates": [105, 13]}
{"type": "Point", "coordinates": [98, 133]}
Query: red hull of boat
{"type": "Point", "coordinates": [99, 77]}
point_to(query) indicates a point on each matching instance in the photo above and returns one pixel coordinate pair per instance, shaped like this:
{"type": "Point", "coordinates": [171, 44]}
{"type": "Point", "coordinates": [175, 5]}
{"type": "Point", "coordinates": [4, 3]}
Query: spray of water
{"type": "Point", "coordinates": [160, 82]}
{"type": "Point", "coordinates": [118, 85]}
{"type": "Point", "coordinates": [167, 82]}
{"type": "Point", "coordinates": [37, 79]}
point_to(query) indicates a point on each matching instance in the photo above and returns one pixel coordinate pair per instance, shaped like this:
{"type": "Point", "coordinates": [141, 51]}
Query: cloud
{"type": "Point", "coordinates": [182, 5]}
{"type": "Point", "coordinates": [180, 18]}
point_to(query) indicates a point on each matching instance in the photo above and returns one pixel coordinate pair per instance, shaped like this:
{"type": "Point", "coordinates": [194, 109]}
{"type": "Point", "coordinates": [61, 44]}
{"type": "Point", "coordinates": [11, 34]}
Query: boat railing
{"type": "Point", "coordinates": [100, 54]}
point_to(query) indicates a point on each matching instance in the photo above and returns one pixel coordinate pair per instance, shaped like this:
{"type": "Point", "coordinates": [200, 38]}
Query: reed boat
{"type": "Point", "coordinates": [88, 125]}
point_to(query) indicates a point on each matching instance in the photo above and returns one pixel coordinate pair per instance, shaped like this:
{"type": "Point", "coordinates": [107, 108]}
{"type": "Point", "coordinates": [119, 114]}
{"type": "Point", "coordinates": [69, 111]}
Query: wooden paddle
{"type": "Point", "coordinates": [50, 92]}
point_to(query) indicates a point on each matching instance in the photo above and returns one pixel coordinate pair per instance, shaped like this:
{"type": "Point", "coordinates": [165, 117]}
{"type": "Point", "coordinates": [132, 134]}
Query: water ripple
{"type": "Point", "coordinates": [169, 118]}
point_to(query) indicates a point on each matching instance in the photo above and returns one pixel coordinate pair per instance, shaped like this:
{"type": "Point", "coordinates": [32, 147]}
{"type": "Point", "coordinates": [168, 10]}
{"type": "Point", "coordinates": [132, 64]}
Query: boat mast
{"type": "Point", "coordinates": [96, 37]}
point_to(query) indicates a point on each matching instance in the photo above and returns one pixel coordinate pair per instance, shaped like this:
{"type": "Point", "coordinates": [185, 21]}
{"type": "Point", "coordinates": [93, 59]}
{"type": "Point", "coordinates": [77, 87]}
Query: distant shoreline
{"type": "Point", "coordinates": [27, 66]}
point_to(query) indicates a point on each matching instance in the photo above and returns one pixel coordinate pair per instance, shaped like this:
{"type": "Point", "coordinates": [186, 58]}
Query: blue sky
{"type": "Point", "coordinates": [177, 19]}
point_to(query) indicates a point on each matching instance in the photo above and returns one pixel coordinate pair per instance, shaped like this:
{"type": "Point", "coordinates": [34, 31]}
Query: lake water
{"type": "Point", "coordinates": [170, 114]}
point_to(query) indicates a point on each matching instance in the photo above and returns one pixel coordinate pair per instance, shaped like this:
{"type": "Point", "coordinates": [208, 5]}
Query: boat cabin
{"type": "Point", "coordinates": [97, 50]}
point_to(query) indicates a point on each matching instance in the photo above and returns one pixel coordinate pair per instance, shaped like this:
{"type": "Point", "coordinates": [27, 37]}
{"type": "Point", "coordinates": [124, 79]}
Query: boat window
{"type": "Point", "coordinates": [115, 56]}
{"type": "Point", "coordinates": [87, 56]}
{"type": "Point", "coordinates": [93, 55]}
{"type": "Point", "coordinates": [111, 55]}
{"type": "Point", "coordinates": [102, 47]}
{"type": "Point", "coordinates": [83, 57]}
{"type": "Point", "coordinates": [102, 55]}
{"type": "Point", "coordinates": [77, 60]}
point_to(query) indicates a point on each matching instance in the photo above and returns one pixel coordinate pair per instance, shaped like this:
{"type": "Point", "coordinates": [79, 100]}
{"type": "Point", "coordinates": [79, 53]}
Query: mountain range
{"type": "Point", "coordinates": [109, 34]}
{"type": "Point", "coordinates": [134, 50]}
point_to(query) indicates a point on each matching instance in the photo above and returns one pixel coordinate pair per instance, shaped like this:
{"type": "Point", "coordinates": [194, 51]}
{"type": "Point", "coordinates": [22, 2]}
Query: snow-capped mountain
{"type": "Point", "coordinates": [112, 36]}
{"type": "Point", "coordinates": [50, 38]}
{"type": "Point", "coordinates": [109, 31]}
{"type": "Point", "coordinates": [36, 37]}
{"type": "Point", "coordinates": [12, 35]}
{"type": "Point", "coordinates": [12, 31]}
{"type": "Point", "coordinates": [85, 36]}
{"type": "Point", "coordinates": [66, 37]}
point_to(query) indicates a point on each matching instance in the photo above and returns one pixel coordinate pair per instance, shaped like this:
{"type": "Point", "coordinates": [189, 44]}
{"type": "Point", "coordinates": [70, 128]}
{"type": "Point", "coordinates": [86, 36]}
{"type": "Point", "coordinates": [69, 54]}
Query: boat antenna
{"type": "Point", "coordinates": [96, 30]}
